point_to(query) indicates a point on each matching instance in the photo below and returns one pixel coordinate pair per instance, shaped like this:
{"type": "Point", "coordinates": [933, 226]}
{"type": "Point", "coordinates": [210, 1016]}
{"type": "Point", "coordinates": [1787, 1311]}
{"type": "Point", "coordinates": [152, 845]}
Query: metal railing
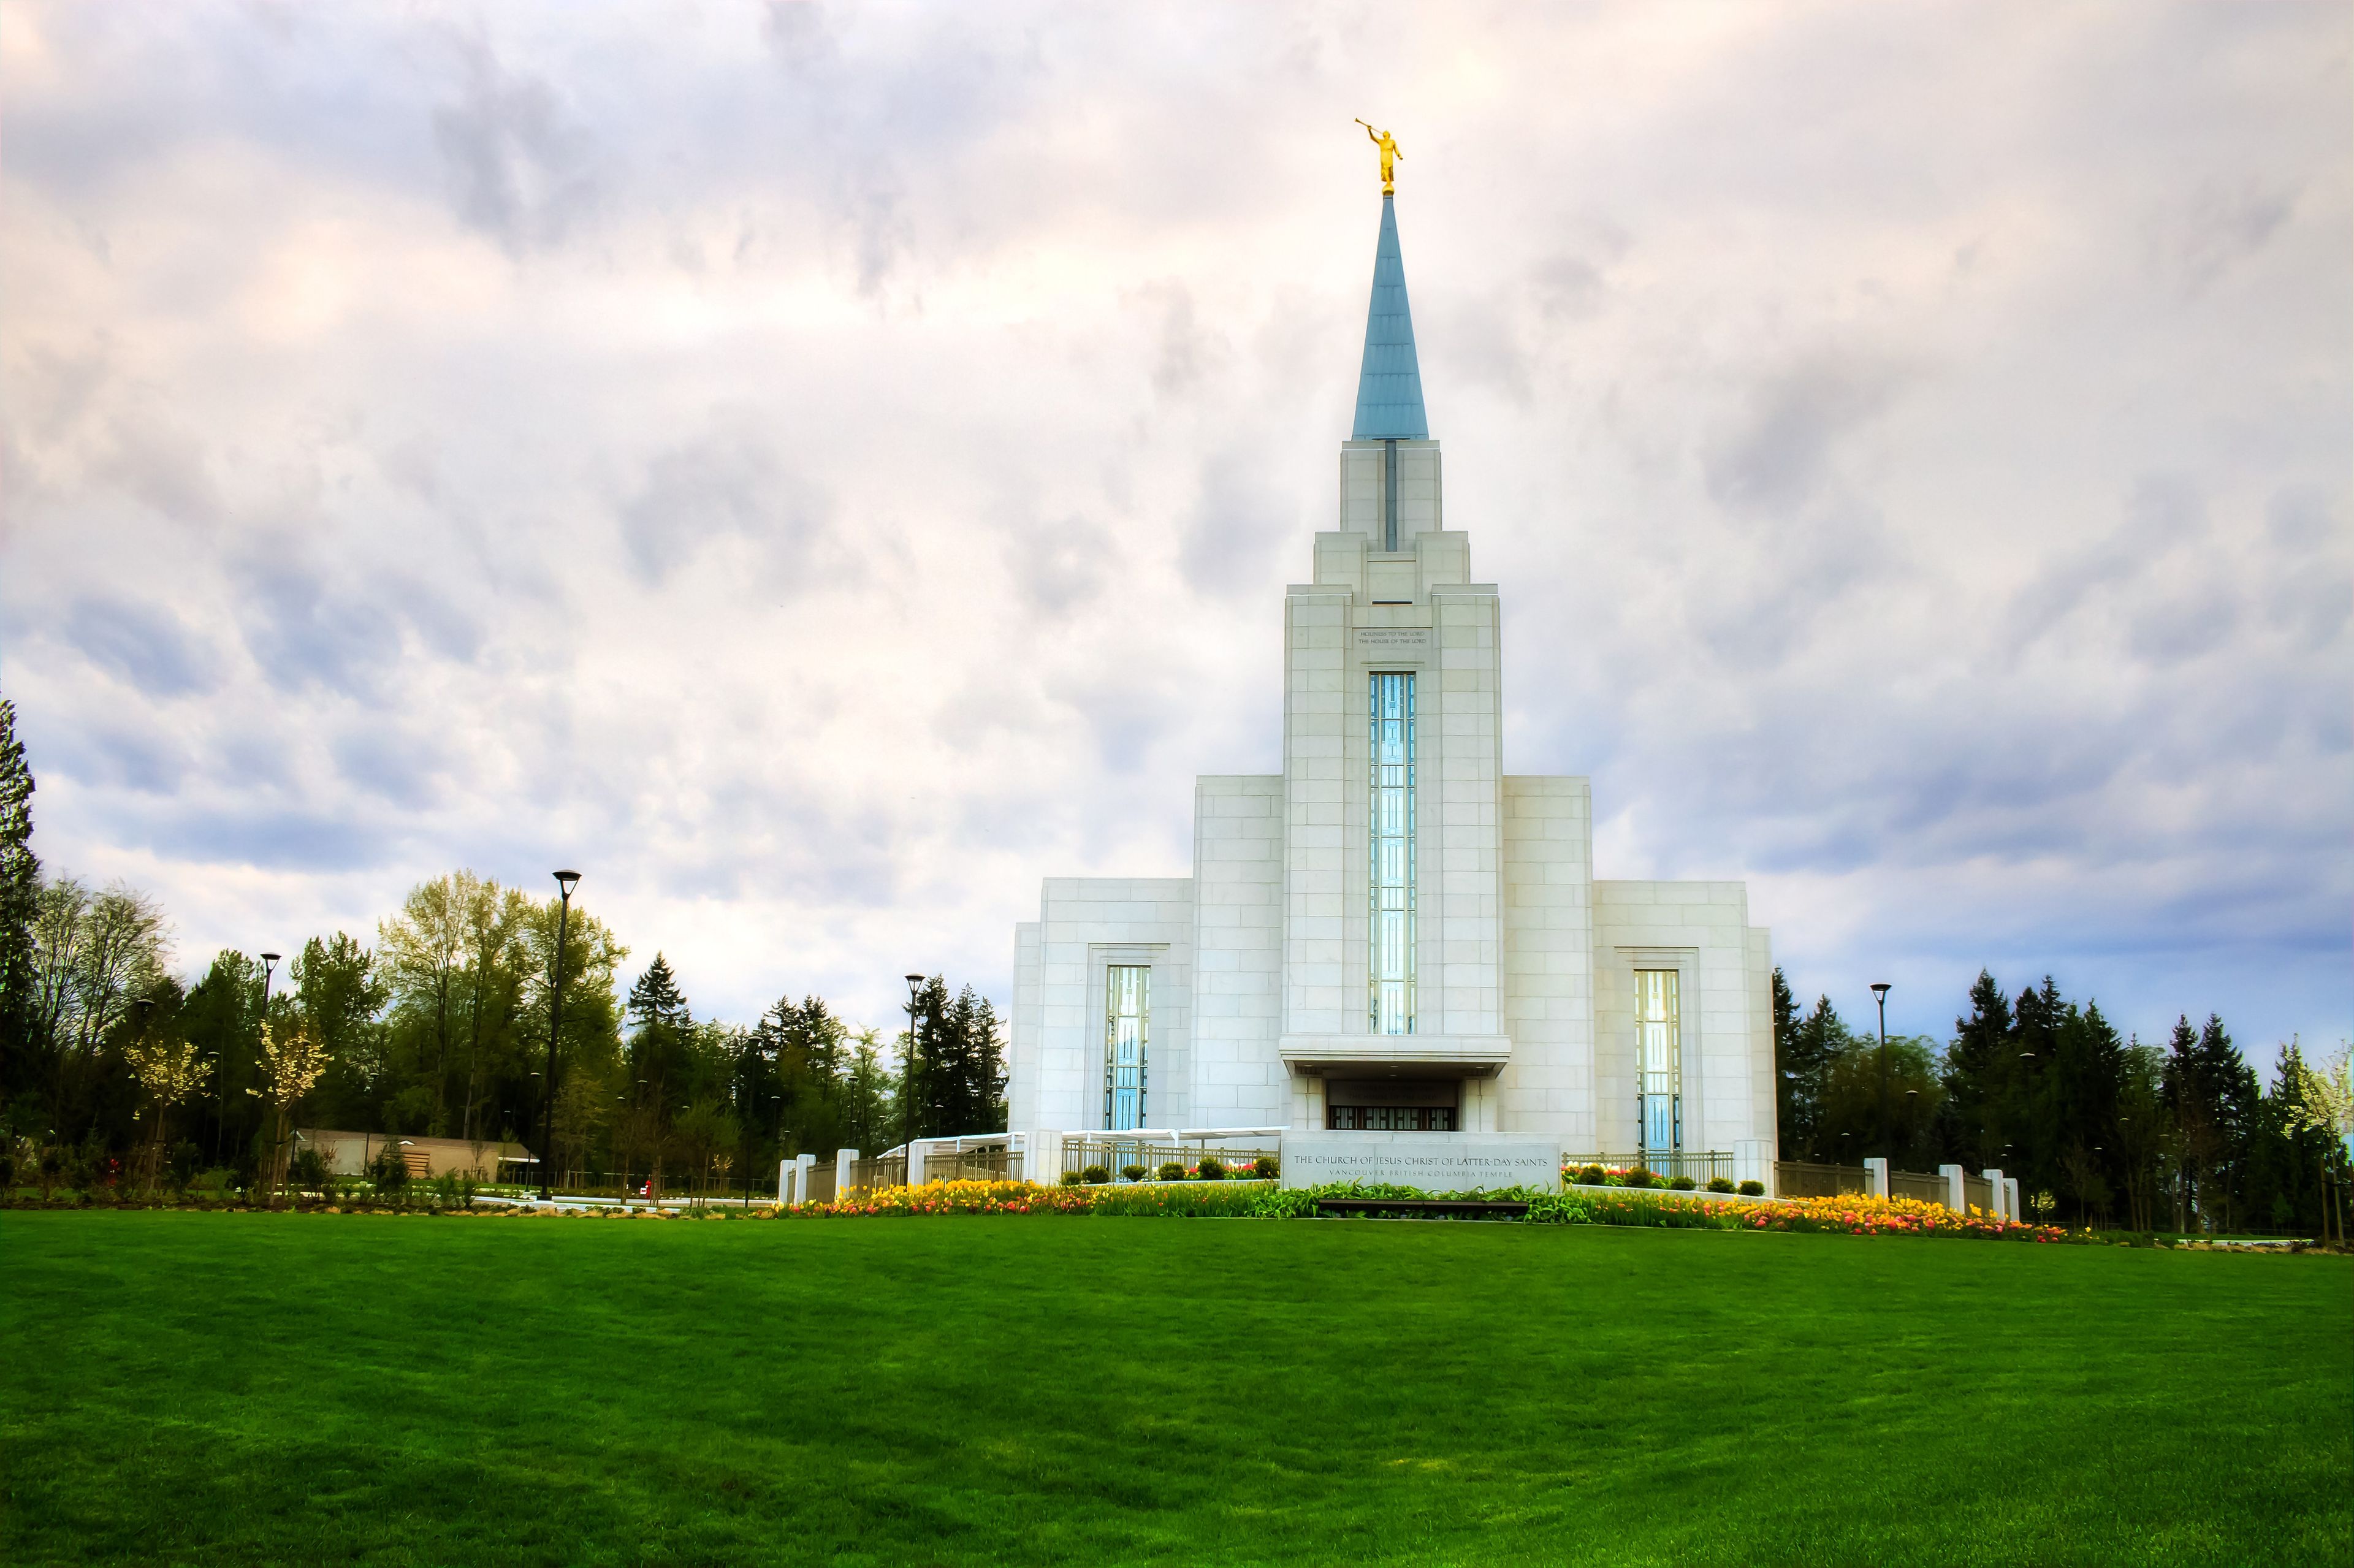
{"type": "Point", "coordinates": [881, 1170]}
{"type": "Point", "coordinates": [986, 1164]}
{"type": "Point", "coordinates": [1913, 1184]}
{"type": "Point", "coordinates": [1702, 1166]}
{"type": "Point", "coordinates": [1802, 1179]}
{"type": "Point", "coordinates": [1113, 1154]}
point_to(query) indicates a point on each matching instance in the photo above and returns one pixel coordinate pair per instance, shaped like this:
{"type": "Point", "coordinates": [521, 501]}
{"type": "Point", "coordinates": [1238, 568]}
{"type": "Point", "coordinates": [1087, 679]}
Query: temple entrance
{"type": "Point", "coordinates": [1393, 1105]}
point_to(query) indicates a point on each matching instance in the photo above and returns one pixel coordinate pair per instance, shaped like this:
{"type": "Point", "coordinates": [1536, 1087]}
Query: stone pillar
{"type": "Point", "coordinates": [2010, 1200]}
{"type": "Point", "coordinates": [1995, 1195]}
{"type": "Point", "coordinates": [803, 1165]}
{"type": "Point", "coordinates": [1875, 1177]}
{"type": "Point", "coordinates": [844, 1158]}
{"type": "Point", "coordinates": [1753, 1162]}
{"type": "Point", "coordinates": [1956, 1196]}
{"type": "Point", "coordinates": [784, 1181]}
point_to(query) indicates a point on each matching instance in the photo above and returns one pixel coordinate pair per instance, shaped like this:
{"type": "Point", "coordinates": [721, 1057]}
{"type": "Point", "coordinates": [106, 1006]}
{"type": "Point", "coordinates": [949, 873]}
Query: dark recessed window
{"type": "Point", "coordinates": [1390, 1118]}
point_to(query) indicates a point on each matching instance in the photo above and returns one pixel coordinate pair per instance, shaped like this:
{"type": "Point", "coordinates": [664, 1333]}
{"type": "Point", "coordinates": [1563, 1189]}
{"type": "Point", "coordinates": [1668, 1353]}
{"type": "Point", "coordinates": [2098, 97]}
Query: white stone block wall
{"type": "Point", "coordinates": [1700, 929]}
{"type": "Point", "coordinates": [1237, 1080]}
{"type": "Point", "coordinates": [1269, 936]}
{"type": "Point", "coordinates": [1764, 1102]}
{"type": "Point", "coordinates": [1088, 924]}
{"type": "Point", "coordinates": [1422, 503]}
{"type": "Point", "coordinates": [1323, 988]}
{"type": "Point", "coordinates": [1461, 834]}
{"type": "Point", "coordinates": [1548, 855]}
{"type": "Point", "coordinates": [1022, 1063]}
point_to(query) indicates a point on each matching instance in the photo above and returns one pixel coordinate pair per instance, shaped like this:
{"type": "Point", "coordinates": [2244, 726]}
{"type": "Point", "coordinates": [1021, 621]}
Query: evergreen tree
{"type": "Point", "coordinates": [2141, 1138]}
{"type": "Point", "coordinates": [661, 1059]}
{"type": "Point", "coordinates": [870, 1114]}
{"type": "Point", "coordinates": [1785, 1031]}
{"type": "Point", "coordinates": [2087, 1083]}
{"type": "Point", "coordinates": [340, 996]}
{"type": "Point", "coordinates": [1802, 1069]}
{"type": "Point", "coordinates": [2030, 1116]}
{"type": "Point", "coordinates": [2295, 1157]}
{"type": "Point", "coordinates": [1977, 1063]}
{"type": "Point", "coordinates": [955, 1080]}
{"type": "Point", "coordinates": [656, 1000]}
{"type": "Point", "coordinates": [20, 888]}
{"type": "Point", "coordinates": [222, 1018]}
{"type": "Point", "coordinates": [2212, 1098]}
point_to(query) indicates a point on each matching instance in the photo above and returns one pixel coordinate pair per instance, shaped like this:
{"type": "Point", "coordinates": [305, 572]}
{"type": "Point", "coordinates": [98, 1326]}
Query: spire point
{"type": "Point", "coordinates": [1389, 386]}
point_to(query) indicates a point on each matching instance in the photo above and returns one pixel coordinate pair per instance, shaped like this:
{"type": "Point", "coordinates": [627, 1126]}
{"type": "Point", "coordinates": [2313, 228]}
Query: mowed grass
{"type": "Point", "coordinates": [245, 1389]}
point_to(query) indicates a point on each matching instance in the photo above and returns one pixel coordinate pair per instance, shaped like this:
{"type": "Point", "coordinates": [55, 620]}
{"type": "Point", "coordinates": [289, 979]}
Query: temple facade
{"type": "Point", "coordinates": [1394, 934]}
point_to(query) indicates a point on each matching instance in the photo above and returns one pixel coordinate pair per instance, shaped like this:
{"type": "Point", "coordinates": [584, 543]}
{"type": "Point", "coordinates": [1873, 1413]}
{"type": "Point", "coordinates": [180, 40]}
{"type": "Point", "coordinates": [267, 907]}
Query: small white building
{"type": "Point", "coordinates": [1394, 934]}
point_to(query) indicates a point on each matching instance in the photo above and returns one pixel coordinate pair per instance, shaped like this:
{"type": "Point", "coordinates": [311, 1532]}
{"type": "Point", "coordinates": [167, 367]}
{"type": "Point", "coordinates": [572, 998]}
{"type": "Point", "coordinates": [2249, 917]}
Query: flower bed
{"type": "Point", "coordinates": [954, 1197]}
{"type": "Point", "coordinates": [1848, 1215]}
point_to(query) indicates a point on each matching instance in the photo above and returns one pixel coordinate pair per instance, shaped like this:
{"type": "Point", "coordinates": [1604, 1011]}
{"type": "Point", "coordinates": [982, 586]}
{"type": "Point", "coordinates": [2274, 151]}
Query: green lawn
{"type": "Point", "coordinates": [243, 1388]}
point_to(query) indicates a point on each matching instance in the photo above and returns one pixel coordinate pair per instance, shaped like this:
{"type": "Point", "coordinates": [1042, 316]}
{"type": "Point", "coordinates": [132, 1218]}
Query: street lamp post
{"type": "Point", "coordinates": [1879, 991]}
{"type": "Point", "coordinates": [907, 1078]}
{"type": "Point", "coordinates": [269, 963]}
{"type": "Point", "coordinates": [146, 1005]}
{"type": "Point", "coordinates": [565, 881]}
{"type": "Point", "coordinates": [220, 1069]}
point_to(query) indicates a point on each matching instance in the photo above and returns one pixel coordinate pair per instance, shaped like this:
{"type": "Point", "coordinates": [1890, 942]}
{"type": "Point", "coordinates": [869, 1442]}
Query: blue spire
{"type": "Point", "coordinates": [1389, 388]}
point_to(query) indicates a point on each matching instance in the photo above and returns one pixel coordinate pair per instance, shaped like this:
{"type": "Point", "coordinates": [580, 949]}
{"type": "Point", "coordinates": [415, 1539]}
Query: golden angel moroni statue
{"type": "Point", "coordinates": [1390, 155]}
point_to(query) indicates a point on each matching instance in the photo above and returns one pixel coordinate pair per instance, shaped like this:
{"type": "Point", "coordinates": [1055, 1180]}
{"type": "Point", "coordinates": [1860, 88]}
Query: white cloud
{"type": "Point", "coordinates": [820, 469]}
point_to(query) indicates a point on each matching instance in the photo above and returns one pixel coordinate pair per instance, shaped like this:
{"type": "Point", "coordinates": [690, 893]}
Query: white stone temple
{"type": "Point", "coordinates": [1394, 934]}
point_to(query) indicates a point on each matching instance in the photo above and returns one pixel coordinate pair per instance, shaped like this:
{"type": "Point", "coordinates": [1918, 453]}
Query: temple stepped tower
{"type": "Point", "coordinates": [1393, 935]}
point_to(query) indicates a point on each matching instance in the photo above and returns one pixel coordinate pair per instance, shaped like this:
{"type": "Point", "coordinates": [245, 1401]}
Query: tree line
{"type": "Point", "coordinates": [2098, 1129]}
{"type": "Point", "coordinates": [439, 1026]}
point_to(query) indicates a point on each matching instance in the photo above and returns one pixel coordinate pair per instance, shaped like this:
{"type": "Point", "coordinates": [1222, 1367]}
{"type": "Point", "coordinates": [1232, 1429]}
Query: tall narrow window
{"type": "Point", "coordinates": [1128, 1018]}
{"type": "Point", "coordinates": [1659, 1044]}
{"type": "Point", "coordinates": [1392, 1011]}
{"type": "Point", "coordinates": [1389, 495]}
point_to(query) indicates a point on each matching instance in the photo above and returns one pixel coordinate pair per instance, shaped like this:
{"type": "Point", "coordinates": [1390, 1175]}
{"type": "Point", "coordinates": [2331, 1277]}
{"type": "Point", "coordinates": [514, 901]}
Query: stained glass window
{"type": "Point", "coordinates": [1391, 879]}
{"type": "Point", "coordinates": [1128, 1015]}
{"type": "Point", "coordinates": [1660, 1047]}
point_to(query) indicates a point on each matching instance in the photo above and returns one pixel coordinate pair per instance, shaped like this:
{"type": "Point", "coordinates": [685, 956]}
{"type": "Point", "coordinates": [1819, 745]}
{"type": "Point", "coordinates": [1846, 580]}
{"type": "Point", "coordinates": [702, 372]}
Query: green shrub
{"type": "Point", "coordinates": [1638, 1177]}
{"type": "Point", "coordinates": [1095, 1175]}
{"type": "Point", "coordinates": [1210, 1168]}
{"type": "Point", "coordinates": [181, 1169]}
{"type": "Point", "coordinates": [1561, 1209]}
{"type": "Point", "coordinates": [1753, 1189]}
{"type": "Point", "coordinates": [1592, 1176]}
{"type": "Point", "coordinates": [307, 1170]}
{"type": "Point", "coordinates": [1266, 1168]}
{"type": "Point", "coordinates": [1131, 1172]}
{"type": "Point", "coordinates": [1683, 1184]}
{"type": "Point", "coordinates": [1179, 1200]}
{"type": "Point", "coordinates": [388, 1170]}
{"type": "Point", "coordinates": [1073, 1178]}
{"type": "Point", "coordinates": [8, 1174]}
{"type": "Point", "coordinates": [1173, 1171]}
{"type": "Point", "coordinates": [1720, 1184]}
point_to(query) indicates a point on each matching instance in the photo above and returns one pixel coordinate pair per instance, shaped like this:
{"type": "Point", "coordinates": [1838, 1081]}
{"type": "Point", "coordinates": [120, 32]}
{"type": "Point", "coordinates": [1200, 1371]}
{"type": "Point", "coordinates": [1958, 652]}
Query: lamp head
{"type": "Point", "coordinates": [1881, 989]}
{"type": "Point", "coordinates": [272, 957]}
{"type": "Point", "coordinates": [146, 1007]}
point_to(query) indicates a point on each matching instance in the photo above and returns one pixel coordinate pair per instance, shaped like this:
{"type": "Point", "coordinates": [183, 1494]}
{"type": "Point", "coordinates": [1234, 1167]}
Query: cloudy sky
{"type": "Point", "coordinates": [820, 468]}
